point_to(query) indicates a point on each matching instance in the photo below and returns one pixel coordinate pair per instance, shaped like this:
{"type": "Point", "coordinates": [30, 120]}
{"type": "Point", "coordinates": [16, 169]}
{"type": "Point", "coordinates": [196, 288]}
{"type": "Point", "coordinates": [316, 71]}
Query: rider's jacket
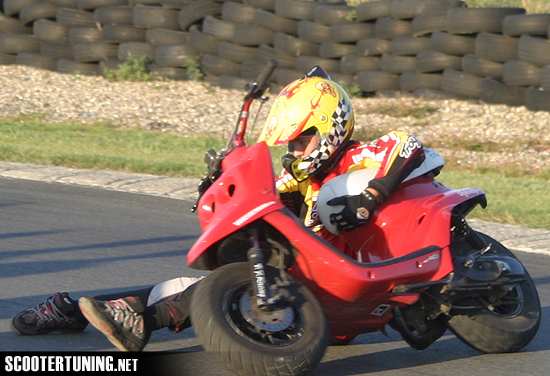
{"type": "Point", "coordinates": [395, 155]}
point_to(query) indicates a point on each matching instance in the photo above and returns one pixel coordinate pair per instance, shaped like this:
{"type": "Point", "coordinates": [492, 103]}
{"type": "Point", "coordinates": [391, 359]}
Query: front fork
{"type": "Point", "coordinates": [268, 285]}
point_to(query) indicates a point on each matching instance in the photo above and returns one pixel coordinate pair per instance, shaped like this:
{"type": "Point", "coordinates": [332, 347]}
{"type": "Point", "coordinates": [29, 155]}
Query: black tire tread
{"type": "Point", "coordinates": [411, 81]}
{"type": "Point", "coordinates": [336, 50]}
{"type": "Point", "coordinates": [428, 23]}
{"type": "Point", "coordinates": [313, 32]}
{"type": "Point", "coordinates": [194, 12]}
{"type": "Point", "coordinates": [114, 15]}
{"type": "Point", "coordinates": [497, 92]}
{"type": "Point", "coordinates": [391, 28]}
{"type": "Point", "coordinates": [406, 9]}
{"type": "Point", "coordinates": [225, 344]}
{"type": "Point", "coordinates": [534, 50]}
{"type": "Point", "coordinates": [296, 9]}
{"type": "Point", "coordinates": [174, 56]}
{"type": "Point", "coordinates": [537, 100]}
{"type": "Point", "coordinates": [156, 17]}
{"type": "Point", "coordinates": [521, 73]}
{"type": "Point", "coordinates": [238, 13]}
{"type": "Point", "coordinates": [50, 31]}
{"type": "Point", "coordinates": [271, 21]}
{"type": "Point", "coordinates": [496, 47]}
{"type": "Point", "coordinates": [353, 64]}
{"type": "Point", "coordinates": [545, 77]}
{"type": "Point", "coordinates": [410, 46]}
{"type": "Point", "coordinates": [164, 37]}
{"type": "Point", "coordinates": [237, 53]}
{"type": "Point", "coordinates": [332, 14]}
{"type": "Point", "coordinates": [94, 4]}
{"type": "Point", "coordinates": [497, 337]}
{"type": "Point", "coordinates": [482, 67]}
{"type": "Point", "coordinates": [72, 67]}
{"type": "Point", "coordinates": [203, 42]}
{"type": "Point", "coordinates": [433, 61]}
{"type": "Point", "coordinates": [526, 24]}
{"type": "Point", "coordinates": [461, 83]}
{"type": "Point", "coordinates": [451, 44]}
{"type": "Point", "coordinates": [373, 47]}
{"type": "Point", "coordinates": [36, 12]}
{"type": "Point", "coordinates": [294, 46]}
{"type": "Point", "coordinates": [252, 35]}
{"type": "Point", "coordinates": [36, 60]}
{"type": "Point", "coordinates": [351, 32]}
{"type": "Point", "coordinates": [373, 10]}
{"type": "Point", "coordinates": [10, 25]}
{"type": "Point", "coordinates": [13, 7]}
{"type": "Point", "coordinates": [84, 34]}
{"type": "Point", "coordinates": [75, 17]}
{"type": "Point", "coordinates": [478, 20]}
{"type": "Point", "coordinates": [373, 81]}
{"type": "Point", "coordinates": [398, 64]}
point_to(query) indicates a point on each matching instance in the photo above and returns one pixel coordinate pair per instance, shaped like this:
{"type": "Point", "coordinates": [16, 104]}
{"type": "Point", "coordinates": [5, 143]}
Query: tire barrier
{"type": "Point", "coordinates": [496, 55]}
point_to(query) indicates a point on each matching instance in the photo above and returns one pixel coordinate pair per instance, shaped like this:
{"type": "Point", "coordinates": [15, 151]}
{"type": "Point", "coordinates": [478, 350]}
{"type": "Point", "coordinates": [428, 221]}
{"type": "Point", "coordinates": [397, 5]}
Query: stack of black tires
{"type": "Point", "coordinates": [498, 55]}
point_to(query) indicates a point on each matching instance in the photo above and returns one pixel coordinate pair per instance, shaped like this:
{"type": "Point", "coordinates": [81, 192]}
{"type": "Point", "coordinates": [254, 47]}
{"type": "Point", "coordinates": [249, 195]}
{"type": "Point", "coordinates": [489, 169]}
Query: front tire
{"type": "Point", "coordinates": [510, 326]}
{"type": "Point", "coordinates": [290, 340]}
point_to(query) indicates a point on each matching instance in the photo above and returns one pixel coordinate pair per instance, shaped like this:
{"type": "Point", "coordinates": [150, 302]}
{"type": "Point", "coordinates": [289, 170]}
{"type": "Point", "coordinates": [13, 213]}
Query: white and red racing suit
{"type": "Point", "coordinates": [395, 155]}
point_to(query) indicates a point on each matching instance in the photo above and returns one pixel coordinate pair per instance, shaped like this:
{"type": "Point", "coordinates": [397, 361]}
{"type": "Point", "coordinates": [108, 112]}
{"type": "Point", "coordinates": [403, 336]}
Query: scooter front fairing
{"type": "Point", "coordinates": [243, 193]}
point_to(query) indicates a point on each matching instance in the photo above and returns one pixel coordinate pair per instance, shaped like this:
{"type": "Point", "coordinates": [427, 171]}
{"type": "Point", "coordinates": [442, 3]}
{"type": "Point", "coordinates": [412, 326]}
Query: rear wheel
{"type": "Point", "coordinates": [289, 340]}
{"type": "Point", "coordinates": [506, 325]}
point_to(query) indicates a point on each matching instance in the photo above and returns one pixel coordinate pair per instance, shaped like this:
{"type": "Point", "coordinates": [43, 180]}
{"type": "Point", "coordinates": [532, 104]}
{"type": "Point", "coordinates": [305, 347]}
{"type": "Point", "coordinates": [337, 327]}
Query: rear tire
{"type": "Point", "coordinates": [288, 341]}
{"type": "Point", "coordinates": [509, 327]}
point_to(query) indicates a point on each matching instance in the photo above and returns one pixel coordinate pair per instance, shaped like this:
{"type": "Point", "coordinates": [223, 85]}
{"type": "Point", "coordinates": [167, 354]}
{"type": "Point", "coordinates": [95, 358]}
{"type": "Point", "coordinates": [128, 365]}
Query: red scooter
{"type": "Point", "coordinates": [279, 294]}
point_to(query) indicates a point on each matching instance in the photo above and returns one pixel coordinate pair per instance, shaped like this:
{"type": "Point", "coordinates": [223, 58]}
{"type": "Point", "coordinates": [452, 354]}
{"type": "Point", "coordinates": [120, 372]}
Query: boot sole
{"type": "Point", "coordinates": [23, 332]}
{"type": "Point", "coordinates": [93, 312]}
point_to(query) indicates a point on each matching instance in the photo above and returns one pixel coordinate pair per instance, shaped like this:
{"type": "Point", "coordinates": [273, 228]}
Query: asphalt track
{"type": "Point", "coordinates": [57, 235]}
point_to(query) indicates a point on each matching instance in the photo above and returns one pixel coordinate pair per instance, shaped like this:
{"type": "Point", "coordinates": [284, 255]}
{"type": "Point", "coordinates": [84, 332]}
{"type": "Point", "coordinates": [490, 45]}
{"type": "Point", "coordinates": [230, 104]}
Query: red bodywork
{"type": "Point", "coordinates": [405, 242]}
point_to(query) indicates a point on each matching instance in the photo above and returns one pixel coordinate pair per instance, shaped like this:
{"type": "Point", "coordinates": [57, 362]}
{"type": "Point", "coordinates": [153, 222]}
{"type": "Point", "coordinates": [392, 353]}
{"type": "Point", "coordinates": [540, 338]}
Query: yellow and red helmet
{"type": "Point", "coordinates": [307, 105]}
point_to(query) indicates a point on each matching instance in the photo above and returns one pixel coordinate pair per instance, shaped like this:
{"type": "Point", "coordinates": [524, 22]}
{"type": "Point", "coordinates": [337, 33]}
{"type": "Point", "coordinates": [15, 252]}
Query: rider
{"type": "Point", "coordinates": [315, 117]}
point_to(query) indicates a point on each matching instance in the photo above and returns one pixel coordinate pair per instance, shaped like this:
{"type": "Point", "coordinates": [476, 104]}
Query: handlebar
{"type": "Point", "coordinates": [255, 90]}
{"type": "Point", "coordinates": [257, 87]}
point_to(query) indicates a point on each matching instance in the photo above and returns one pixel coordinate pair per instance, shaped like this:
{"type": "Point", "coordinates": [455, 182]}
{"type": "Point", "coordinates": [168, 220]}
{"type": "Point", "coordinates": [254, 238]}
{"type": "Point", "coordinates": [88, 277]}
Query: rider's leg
{"type": "Point", "coordinates": [128, 323]}
{"type": "Point", "coordinates": [61, 313]}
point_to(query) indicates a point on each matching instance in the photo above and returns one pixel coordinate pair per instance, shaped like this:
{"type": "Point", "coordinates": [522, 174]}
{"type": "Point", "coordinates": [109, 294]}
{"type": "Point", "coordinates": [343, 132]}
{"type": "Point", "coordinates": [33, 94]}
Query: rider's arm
{"type": "Point", "coordinates": [376, 194]}
{"type": "Point", "coordinates": [402, 153]}
{"type": "Point", "coordinates": [398, 154]}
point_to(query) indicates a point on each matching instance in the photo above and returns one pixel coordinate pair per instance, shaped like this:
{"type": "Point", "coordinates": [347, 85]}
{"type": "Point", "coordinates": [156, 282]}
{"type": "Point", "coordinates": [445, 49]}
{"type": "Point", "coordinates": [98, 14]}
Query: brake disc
{"type": "Point", "coordinates": [263, 319]}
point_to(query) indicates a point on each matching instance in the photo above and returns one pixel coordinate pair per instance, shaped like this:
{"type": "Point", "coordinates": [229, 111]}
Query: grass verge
{"type": "Point", "coordinates": [520, 201]}
{"type": "Point", "coordinates": [103, 147]}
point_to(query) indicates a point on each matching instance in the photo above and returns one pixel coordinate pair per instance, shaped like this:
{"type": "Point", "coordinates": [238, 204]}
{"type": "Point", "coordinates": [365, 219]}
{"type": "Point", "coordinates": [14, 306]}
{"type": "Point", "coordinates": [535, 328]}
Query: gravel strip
{"type": "Point", "coordinates": [465, 132]}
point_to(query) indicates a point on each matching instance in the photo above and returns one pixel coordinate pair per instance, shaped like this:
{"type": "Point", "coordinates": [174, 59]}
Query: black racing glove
{"type": "Point", "coordinates": [356, 212]}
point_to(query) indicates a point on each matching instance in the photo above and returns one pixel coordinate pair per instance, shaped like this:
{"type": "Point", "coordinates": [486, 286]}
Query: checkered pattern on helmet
{"type": "Point", "coordinates": [316, 158]}
{"type": "Point", "coordinates": [340, 118]}
{"type": "Point", "coordinates": [335, 138]}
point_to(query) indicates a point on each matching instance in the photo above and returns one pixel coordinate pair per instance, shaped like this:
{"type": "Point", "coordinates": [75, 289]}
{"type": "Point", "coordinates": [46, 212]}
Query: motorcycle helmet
{"type": "Point", "coordinates": [312, 105]}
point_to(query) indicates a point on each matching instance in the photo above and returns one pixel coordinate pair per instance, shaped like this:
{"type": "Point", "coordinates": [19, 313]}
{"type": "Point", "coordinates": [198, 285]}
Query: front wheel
{"type": "Point", "coordinates": [509, 325]}
{"type": "Point", "coordinates": [289, 340]}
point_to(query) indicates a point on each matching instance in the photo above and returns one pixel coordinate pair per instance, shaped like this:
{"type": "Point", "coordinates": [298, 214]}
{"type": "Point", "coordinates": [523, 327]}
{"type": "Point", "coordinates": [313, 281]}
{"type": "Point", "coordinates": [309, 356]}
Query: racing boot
{"type": "Point", "coordinates": [121, 321]}
{"type": "Point", "coordinates": [58, 313]}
